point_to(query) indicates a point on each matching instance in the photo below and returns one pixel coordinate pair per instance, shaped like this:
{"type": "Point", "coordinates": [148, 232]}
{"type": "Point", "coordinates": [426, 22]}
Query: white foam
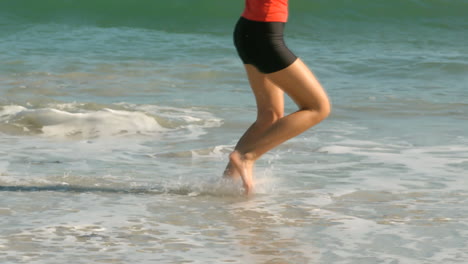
{"type": "Point", "coordinates": [51, 122]}
{"type": "Point", "coordinates": [422, 159]}
{"type": "Point", "coordinates": [191, 120]}
{"type": "Point", "coordinates": [105, 122]}
{"type": "Point", "coordinates": [79, 121]}
{"type": "Point", "coordinates": [9, 110]}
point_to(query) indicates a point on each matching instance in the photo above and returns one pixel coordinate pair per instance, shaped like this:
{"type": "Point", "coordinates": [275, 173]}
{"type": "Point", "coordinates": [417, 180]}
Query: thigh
{"type": "Point", "coordinates": [268, 96]}
{"type": "Point", "coordinates": [301, 85]}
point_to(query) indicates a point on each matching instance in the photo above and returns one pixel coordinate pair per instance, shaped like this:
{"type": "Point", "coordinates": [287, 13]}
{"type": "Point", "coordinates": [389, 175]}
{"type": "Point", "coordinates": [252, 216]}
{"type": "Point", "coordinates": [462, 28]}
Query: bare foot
{"type": "Point", "coordinates": [231, 172]}
{"type": "Point", "coordinates": [245, 169]}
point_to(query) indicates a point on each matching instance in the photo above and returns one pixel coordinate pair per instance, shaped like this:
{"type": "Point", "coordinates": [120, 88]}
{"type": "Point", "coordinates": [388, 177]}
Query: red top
{"type": "Point", "coordinates": [266, 10]}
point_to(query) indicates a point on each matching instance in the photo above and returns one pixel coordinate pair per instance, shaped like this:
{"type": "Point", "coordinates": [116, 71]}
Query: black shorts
{"type": "Point", "coordinates": [262, 45]}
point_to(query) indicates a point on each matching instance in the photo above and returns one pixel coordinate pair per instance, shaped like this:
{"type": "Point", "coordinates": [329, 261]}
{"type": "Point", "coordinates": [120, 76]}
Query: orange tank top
{"type": "Point", "coordinates": [266, 10]}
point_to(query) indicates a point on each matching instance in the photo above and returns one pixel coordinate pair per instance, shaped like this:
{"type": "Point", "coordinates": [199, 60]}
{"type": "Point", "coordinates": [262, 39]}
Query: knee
{"type": "Point", "coordinates": [269, 117]}
{"type": "Point", "coordinates": [324, 110]}
{"type": "Point", "coordinates": [320, 110]}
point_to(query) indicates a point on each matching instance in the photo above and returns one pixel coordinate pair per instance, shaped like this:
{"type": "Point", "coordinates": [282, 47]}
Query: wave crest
{"type": "Point", "coordinates": [81, 123]}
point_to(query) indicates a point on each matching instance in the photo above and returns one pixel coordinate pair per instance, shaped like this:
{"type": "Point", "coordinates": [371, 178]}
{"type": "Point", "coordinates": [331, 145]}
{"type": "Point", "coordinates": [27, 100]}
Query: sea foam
{"type": "Point", "coordinates": [51, 122]}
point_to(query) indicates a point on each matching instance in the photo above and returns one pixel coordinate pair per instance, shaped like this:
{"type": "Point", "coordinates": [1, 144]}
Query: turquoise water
{"type": "Point", "coordinates": [116, 119]}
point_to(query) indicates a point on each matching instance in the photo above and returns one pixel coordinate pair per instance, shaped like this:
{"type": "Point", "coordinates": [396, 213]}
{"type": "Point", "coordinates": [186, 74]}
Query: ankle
{"type": "Point", "coordinates": [246, 157]}
{"type": "Point", "coordinates": [249, 157]}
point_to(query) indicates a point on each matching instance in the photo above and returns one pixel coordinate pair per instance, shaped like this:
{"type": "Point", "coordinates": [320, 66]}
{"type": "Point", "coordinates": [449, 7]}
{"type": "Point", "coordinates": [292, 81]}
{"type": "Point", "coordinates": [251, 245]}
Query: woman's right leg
{"type": "Point", "coordinates": [270, 108]}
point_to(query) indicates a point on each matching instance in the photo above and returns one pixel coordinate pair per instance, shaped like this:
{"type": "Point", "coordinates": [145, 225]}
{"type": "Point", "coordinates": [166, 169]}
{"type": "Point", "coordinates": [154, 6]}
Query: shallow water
{"type": "Point", "coordinates": [115, 132]}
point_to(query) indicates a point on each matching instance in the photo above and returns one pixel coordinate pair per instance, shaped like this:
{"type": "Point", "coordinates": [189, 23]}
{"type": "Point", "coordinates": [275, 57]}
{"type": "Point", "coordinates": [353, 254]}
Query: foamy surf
{"type": "Point", "coordinates": [75, 122]}
{"type": "Point", "coordinates": [50, 122]}
{"type": "Point", "coordinates": [187, 185]}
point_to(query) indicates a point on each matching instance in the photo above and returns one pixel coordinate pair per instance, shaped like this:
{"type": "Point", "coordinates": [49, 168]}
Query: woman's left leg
{"type": "Point", "coordinates": [305, 90]}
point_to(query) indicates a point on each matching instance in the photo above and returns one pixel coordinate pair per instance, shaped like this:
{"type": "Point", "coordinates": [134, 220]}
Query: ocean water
{"type": "Point", "coordinates": [117, 118]}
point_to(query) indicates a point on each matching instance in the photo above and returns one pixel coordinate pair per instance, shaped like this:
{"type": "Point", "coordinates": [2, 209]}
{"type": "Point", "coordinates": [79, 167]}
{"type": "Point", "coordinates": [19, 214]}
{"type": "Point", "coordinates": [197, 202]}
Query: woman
{"type": "Point", "coordinates": [272, 70]}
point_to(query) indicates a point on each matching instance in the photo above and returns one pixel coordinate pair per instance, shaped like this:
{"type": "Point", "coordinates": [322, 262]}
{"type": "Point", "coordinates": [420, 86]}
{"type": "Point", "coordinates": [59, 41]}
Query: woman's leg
{"type": "Point", "coordinates": [270, 108]}
{"type": "Point", "coordinates": [305, 90]}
